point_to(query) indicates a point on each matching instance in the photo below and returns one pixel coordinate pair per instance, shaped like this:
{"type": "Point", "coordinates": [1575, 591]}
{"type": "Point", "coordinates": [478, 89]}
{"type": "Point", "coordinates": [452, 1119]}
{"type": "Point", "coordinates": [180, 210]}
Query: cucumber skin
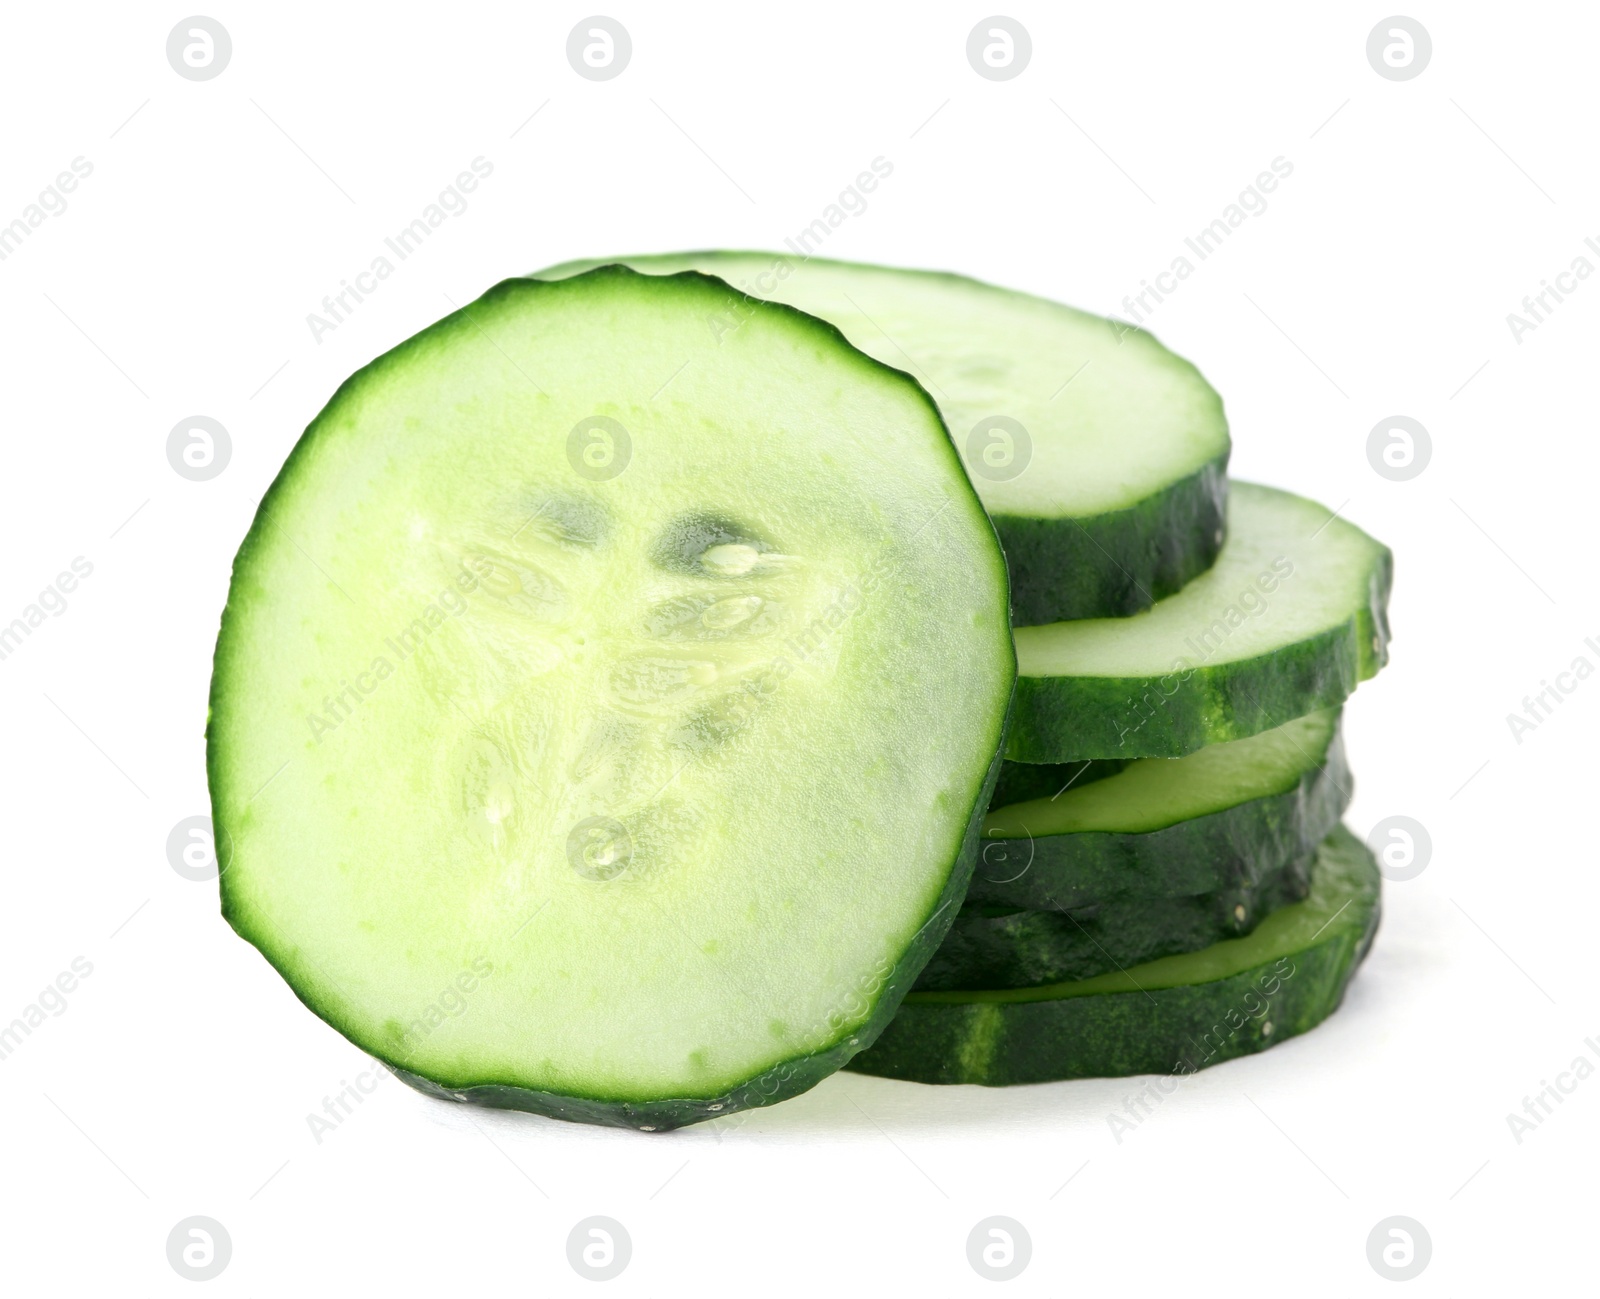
{"type": "Point", "coordinates": [1118, 563]}
{"type": "Point", "coordinates": [1114, 1035]}
{"type": "Point", "coordinates": [1022, 782]}
{"type": "Point", "coordinates": [780, 1082]}
{"type": "Point", "coordinates": [1235, 848]}
{"type": "Point", "coordinates": [1027, 949]}
{"type": "Point", "coordinates": [1069, 719]}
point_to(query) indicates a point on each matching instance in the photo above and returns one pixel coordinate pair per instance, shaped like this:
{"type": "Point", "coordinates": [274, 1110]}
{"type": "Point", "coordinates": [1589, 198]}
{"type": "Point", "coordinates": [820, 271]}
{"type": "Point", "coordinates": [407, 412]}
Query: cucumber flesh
{"type": "Point", "coordinates": [1289, 620]}
{"type": "Point", "coordinates": [999, 947]}
{"type": "Point", "coordinates": [602, 715]}
{"type": "Point", "coordinates": [1112, 494]}
{"type": "Point", "coordinates": [1224, 817]}
{"type": "Point", "coordinates": [1173, 1015]}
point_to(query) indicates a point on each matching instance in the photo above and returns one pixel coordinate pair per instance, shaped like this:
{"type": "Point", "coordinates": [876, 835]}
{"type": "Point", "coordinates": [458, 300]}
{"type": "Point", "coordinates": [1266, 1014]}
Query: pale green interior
{"type": "Point", "coordinates": [1112, 416]}
{"type": "Point", "coordinates": [779, 849]}
{"type": "Point", "coordinates": [1344, 888]}
{"type": "Point", "coordinates": [1153, 793]}
{"type": "Point", "coordinates": [1285, 574]}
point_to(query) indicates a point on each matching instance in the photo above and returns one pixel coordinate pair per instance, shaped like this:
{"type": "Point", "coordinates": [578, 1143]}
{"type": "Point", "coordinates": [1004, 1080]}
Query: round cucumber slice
{"type": "Point", "coordinates": [1292, 616]}
{"type": "Point", "coordinates": [602, 713]}
{"type": "Point", "coordinates": [1170, 1016]}
{"type": "Point", "coordinates": [1225, 817]}
{"type": "Point", "coordinates": [999, 947]}
{"type": "Point", "coordinates": [1100, 455]}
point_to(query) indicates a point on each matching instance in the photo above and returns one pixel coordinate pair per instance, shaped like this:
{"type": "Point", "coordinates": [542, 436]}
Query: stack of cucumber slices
{"type": "Point", "coordinates": [661, 684]}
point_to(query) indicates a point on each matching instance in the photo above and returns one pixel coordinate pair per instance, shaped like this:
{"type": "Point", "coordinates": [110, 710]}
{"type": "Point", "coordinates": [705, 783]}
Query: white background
{"type": "Point", "coordinates": [178, 282]}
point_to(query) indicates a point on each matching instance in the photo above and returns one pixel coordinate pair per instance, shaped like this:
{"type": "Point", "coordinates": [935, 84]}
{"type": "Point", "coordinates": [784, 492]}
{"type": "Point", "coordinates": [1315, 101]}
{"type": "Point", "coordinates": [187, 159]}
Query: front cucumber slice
{"type": "Point", "coordinates": [1100, 455]}
{"type": "Point", "coordinates": [1174, 1015]}
{"type": "Point", "coordinates": [602, 715]}
{"type": "Point", "coordinates": [1000, 947]}
{"type": "Point", "coordinates": [1292, 616]}
{"type": "Point", "coordinates": [1224, 817]}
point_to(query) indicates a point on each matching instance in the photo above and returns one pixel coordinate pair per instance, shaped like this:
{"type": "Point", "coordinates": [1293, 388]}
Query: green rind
{"type": "Point", "coordinates": [1115, 564]}
{"type": "Point", "coordinates": [1059, 719]}
{"type": "Point", "coordinates": [1021, 782]}
{"type": "Point", "coordinates": [1044, 1035]}
{"type": "Point", "coordinates": [1233, 848]}
{"type": "Point", "coordinates": [1025, 949]}
{"type": "Point", "coordinates": [781, 1081]}
{"type": "Point", "coordinates": [1104, 565]}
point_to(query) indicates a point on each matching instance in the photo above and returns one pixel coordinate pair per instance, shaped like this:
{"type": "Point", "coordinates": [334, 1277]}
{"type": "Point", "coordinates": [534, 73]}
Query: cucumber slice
{"type": "Point", "coordinates": [602, 715]}
{"type": "Point", "coordinates": [1111, 494]}
{"type": "Point", "coordinates": [1174, 1015]}
{"type": "Point", "coordinates": [1021, 782]}
{"type": "Point", "coordinates": [1224, 817]}
{"type": "Point", "coordinates": [999, 947]}
{"type": "Point", "coordinates": [1291, 617]}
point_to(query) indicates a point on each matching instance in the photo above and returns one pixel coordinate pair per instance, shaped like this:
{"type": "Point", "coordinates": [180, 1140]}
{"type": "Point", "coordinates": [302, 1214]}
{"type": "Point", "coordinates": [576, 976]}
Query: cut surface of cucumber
{"type": "Point", "coordinates": [1290, 618]}
{"type": "Point", "coordinates": [998, 947]}
{"type": "Point", "coordinates": [1170, 1016]}
{"type": "Point", "coordinates": [603, 713]}
{"type": "Point", "coordinates": [1100, 455]}
{"type": "Point", "coordinates": [1224, 817]}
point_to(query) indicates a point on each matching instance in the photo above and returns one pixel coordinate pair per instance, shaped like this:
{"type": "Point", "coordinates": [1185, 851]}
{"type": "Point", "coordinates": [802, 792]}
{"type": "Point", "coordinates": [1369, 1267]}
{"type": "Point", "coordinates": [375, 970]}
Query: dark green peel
{"type": "Point", "coordinates": [1223, 818]}
{"type": "Point", "coordinates": [1290, 619]}
{"type": "Point", "coordinates": [1118, 563]}
{"type": "Point", "coordinates": [1173, 1015]}
{"type": "Point", "coordinates": [993, 947]}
